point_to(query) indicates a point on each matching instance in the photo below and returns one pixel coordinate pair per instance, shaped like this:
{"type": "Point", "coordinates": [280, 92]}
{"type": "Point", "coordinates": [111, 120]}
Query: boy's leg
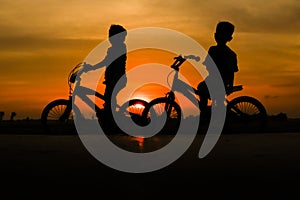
{"type": "Point", "coordinates": [110, 107]}
{"type": "Point", "coordinates": [204, 96]}
{"type": "Point", "coordinates": [107, 120]}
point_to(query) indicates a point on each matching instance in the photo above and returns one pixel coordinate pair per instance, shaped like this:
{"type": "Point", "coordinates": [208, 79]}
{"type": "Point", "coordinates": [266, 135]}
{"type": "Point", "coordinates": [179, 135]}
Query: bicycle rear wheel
{"type": "Point", "coordinates": [245, 114]}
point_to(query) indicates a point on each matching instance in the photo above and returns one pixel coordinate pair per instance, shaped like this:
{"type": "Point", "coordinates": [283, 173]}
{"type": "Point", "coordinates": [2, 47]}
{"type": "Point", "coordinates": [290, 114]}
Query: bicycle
{"type": "Point", "coordinates": [59, 113]}
{"type": "Point", "coordinates": [244, 113]}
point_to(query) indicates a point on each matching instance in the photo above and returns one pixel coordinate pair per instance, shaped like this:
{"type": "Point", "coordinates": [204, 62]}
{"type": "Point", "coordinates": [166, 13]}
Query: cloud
{"type": "Point", "coordinates": [53, 18]}
{"type": "Point", "coordinates": [267, 16]}
{"type": "Point", "coordinates": [274, 16]}
{"type": "Point", "coordinates": [33, 42]}
{"type": "Point", "coordinates": [271, 96]}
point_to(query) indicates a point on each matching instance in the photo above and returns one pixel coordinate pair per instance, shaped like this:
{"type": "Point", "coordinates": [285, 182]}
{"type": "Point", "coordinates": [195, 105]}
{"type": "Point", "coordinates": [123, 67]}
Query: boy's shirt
{"type": "Point", "coordinates": [116, 67]}
{"type": "Point", "coordinates": [226, 62]}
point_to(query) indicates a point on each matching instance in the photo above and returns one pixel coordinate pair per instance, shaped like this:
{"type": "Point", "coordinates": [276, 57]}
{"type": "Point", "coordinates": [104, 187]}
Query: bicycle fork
{"type": "Point", "coordinates": [64, 117]}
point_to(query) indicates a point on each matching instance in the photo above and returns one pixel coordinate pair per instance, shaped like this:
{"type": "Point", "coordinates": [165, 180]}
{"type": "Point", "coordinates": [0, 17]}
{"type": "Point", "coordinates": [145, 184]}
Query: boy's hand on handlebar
{"type": "Point", "coordinates": [87, 67]}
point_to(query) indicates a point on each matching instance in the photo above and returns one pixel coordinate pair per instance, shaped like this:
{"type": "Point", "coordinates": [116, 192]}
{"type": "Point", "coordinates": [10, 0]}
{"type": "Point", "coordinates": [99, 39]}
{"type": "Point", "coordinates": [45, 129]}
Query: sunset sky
{"type": "Point", "coordinates": [41, 41]}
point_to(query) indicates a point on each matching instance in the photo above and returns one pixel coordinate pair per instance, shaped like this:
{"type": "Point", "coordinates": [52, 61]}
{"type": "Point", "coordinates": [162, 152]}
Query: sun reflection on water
{"type": "Point", "coordinates": [140, 141]}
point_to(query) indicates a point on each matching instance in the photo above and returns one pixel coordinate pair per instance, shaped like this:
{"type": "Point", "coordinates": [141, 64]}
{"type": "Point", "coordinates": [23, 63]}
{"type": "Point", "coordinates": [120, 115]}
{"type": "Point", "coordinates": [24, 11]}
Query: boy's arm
{"type": "Point", "coordinates": [100, 64]}
{"type": "Point", "coordinates": [89, 67]}
{"type": "Point", "coordinates": [103, 62]}
{"type": "Point", "coordinates": [209, 59]}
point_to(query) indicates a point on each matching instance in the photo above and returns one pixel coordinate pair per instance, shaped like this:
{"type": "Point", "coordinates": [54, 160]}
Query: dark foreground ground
{"type": "Point", "coordinates": [241, 166]}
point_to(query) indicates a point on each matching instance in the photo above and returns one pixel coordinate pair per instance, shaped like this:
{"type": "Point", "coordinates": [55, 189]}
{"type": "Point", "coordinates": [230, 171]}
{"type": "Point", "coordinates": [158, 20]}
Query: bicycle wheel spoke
{"type": "Point", "coordinates": [159, 110]}
{"type": "Point", "coordinates": [246, 114]}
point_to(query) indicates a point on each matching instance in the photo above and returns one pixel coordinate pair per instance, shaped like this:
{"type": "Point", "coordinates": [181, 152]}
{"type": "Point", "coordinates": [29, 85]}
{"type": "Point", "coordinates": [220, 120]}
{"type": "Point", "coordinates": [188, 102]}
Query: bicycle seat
{"type": "Point", "coordinates": [235, 88]}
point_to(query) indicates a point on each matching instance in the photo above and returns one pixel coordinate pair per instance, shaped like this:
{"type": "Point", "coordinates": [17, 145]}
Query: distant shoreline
{"type": "Point", "coordinates": [34, 126]}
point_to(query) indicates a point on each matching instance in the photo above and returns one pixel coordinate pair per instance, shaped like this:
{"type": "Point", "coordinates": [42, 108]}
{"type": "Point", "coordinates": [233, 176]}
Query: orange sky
{"type": "Point", "coordinates": [41, 41]}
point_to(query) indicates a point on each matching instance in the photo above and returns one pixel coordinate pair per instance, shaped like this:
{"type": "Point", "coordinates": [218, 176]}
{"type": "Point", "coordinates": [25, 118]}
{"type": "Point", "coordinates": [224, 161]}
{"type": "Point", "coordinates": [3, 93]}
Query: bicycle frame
{"type": "Point", "coordinates": [185, 89]}
{"type": "Point", "coordinates": [83, 93]}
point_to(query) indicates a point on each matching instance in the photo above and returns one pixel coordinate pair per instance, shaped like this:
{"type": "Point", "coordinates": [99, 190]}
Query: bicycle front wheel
{"type": "Point", "coordinates": [134, 109]}
{"type": "Point", "coordinates": [246, 114]}
{"type": "Point", "coordinates": [57, 112]}
{"type": "Point", "coordinates": [163, 107]}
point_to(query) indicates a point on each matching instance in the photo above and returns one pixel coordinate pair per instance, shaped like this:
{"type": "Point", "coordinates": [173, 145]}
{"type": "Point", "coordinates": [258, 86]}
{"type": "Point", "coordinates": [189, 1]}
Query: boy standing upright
{"type": "Point", "coordinates": [115, 63]}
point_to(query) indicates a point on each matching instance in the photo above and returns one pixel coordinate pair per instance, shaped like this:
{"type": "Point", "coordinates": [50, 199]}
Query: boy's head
{"type": "Point", "coordinates": [224, 31]}
{"type": "Point", "coordinates": [114, 30]}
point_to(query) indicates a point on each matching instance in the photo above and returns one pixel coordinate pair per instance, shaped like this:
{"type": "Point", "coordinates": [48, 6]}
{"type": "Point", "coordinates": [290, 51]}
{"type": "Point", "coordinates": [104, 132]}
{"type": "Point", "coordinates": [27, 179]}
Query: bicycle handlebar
{"type": "Point", "coordinates": [192, 57]}
{"type": "Point", "coordinates": [179, 60]}
{"type": "Point", "coordinates": [84, 67]}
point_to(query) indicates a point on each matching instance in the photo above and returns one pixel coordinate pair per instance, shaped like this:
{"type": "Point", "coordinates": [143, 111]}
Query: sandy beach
{"type": "Point", "coordinates": [241, 166]}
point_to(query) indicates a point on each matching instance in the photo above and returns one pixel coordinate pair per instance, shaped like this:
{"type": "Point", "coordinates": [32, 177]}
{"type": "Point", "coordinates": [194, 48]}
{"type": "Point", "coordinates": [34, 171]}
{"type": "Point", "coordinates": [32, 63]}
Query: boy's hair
{"type": "Point", "coordinates": [225, 28]}
{"type": "Point", "coordinates": [115, 29]}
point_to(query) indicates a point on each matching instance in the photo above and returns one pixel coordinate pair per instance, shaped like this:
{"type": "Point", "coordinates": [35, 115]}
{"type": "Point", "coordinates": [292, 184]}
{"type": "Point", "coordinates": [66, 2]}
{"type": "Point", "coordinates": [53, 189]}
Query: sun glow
{"type": "Point", "coordinates": [139, 106]}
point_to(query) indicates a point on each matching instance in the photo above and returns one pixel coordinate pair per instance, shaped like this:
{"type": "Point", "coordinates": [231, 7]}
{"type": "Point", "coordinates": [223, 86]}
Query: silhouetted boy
{"type": "Point", "coordinates": [225, 60]}
{"type": "Point", "coordinates": [115, 62]}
